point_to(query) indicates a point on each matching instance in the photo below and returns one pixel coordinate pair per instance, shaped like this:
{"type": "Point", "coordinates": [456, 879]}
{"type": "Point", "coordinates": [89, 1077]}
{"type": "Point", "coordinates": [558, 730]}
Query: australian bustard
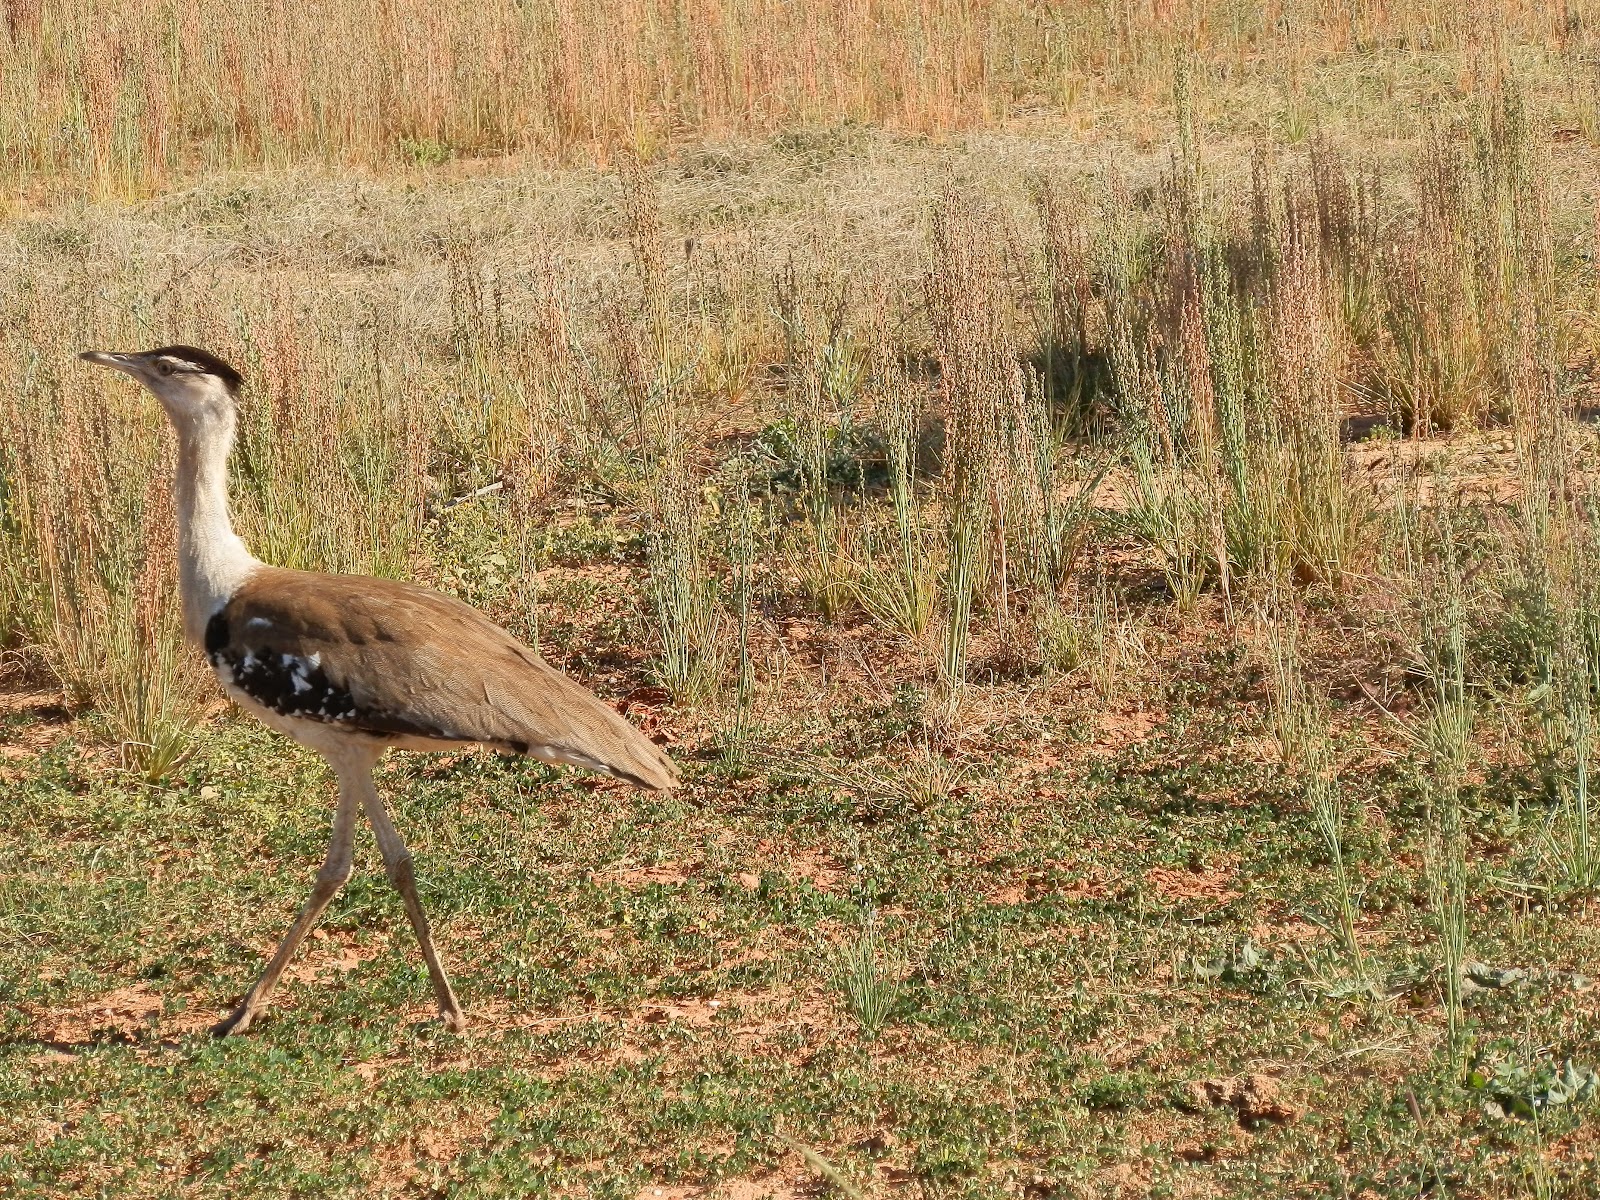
{"type": "Point", "coordinates": [350, 666]}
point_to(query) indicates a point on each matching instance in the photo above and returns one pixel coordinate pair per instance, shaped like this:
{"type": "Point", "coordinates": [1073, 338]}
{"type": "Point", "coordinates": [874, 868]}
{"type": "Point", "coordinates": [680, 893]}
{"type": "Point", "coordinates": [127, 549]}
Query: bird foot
{"type": "Point", "coordinates": [237, 1021]}
{"type": "Point", "coordinates": [453, 1019]}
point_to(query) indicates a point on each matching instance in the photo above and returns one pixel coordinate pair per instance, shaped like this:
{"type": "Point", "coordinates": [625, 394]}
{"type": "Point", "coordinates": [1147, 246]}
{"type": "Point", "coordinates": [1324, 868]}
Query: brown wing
{"type": "Point", "coordinates": [395, 660]}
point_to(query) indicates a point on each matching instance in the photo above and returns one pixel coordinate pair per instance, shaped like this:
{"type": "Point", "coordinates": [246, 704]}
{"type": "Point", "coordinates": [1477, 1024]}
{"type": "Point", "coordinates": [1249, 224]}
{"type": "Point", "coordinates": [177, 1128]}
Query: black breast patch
{"type": "Point", "coordinates": [288, 683]}
{"type": "Point", "coordinates": [216, 634]}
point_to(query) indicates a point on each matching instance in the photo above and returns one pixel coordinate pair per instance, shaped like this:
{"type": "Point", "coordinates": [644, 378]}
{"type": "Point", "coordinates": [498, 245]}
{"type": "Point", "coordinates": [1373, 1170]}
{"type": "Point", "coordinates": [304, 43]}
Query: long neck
{"type": "Point", "coordinates": [212, 561]}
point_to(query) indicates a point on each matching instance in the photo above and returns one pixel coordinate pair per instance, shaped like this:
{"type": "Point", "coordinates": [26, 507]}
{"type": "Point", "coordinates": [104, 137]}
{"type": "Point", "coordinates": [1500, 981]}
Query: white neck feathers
{"type": "Point", "coordinates": [212, 561]}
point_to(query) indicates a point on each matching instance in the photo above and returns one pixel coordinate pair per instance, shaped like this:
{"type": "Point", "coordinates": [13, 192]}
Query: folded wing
{"type": "Point", "coordinates": [415, 668]}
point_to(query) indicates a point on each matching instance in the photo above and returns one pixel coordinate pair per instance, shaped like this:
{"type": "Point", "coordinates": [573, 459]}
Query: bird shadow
{"type": "Point", "coordinates": [135, 1015]}
{"type": "Point", "coordinates": [71, 1046]}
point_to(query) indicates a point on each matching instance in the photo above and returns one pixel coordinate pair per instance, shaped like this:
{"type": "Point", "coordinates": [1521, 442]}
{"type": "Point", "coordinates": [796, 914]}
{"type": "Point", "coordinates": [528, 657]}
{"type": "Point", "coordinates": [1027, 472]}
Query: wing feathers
{"type": "Point", "coordinates": [393, 659]}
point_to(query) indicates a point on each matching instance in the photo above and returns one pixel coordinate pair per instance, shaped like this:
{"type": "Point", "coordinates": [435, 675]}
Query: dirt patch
{"type": "Point", "coordinates": [325, 955]}
{"type": "Point", "coordinates": [40, 704]}
{"type": "Point", "coordinates": [773, 1187]}
{"type": "Point", "coordinates": [1096, 884]}
{"type": "Point", "coordinates": [819, 870]}
{"type": "Point", "coordinates": [1214, 884]}
{"type": "Point", "coordinates": [699, 1014]}
{"type": "Point", "coordinates": [1288, 929]}
{"type": "Point", "coordinates": [1117, 731]}
{"type": "Point", "coordinates": [746, 1015]}
{"type": "Point", "coordinates": [43, 721]}
{"type": "Point", "coordinates": [138, 1012]}
{"type": "Point", "coordinates": [1121, 1052]}
{"type": "Point", "coordinates": [650, 709]}
{"type": "Point", "coordinates": [1088, 882]}
{"type": "Point", "coordinates": [373, 1070]}
{"type": "Point", "coordinates": [128, 1014]}
{"type": "Point", "coordinates": [1257, 1099]}
{"type": "Point", "coordinates": [636, 879]}
{"type": "Point", "coordinates": [1125, 1179]}
{"type": "Point", "coordinates": [400, 1164]}
{"type": "Point", "coordinates": [1483, 467]}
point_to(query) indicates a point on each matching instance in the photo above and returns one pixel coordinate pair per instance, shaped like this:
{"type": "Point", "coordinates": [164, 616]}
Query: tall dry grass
{"type": "Point", "coordinates": [1245, 324]}
{"type": "Point", "coordinates": [1471, 310]}
{"type": "Point", "coordinates": [128, 93]}
{"type": "Point", "coordinates": [87, 557]}
{"type": "Point", "coordinates": [927, 443]}
{"type": "Point", "coordinates": [328, 473]}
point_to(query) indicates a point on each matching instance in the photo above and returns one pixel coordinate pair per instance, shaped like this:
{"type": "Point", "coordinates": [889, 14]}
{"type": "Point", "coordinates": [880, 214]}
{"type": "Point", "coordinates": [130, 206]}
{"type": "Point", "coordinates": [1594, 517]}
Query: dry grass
{"type": "Point", "coordinates": [126, 96]}
{"type": "Point", "coordinates": [1017, 444]}
{"type": "Point", "coordinates": [922, 435]}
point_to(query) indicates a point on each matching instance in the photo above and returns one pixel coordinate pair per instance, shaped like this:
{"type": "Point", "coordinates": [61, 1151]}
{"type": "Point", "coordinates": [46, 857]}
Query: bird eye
{"type": "Point", "coordinates": [163, 366]}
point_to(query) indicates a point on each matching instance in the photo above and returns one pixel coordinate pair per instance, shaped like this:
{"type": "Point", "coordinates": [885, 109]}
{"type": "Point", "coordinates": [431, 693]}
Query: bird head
{"type": "Point", "coordinates": [195, 386]}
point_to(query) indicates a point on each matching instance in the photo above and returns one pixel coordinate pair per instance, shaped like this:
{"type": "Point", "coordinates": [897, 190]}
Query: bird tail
{"type": "Point", "coordinates": [636, 759]}
{"type": "Point", "coordinates": [592, 734]}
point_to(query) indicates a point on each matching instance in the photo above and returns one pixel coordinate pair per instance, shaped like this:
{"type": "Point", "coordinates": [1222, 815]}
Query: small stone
{"type": "Point", "coordinates": [209, 793]}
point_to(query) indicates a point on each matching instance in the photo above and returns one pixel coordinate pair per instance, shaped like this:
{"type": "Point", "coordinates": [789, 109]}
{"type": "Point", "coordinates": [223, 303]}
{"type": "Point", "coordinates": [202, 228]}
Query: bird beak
{"type": "Point", "coordinates": [128, 364]}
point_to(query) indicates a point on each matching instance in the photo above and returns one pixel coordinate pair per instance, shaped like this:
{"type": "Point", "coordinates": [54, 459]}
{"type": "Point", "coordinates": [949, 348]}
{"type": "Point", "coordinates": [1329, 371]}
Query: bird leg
{"type": "Point", "coordinates": [397, 861]}
{"type": "Point", "coordinates": [335, 870]}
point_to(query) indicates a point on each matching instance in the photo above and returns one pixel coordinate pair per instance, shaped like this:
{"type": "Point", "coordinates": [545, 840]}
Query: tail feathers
{"type": "Point", "coordinates": [643, 765]}
{"type": "Point", "coordinates": [588, 733]}
{"type": "Point", "coordinates": [647, 767]}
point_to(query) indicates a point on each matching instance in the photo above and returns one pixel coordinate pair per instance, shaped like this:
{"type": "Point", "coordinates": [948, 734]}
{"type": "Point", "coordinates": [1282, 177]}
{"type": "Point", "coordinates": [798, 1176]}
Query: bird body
{"type": "Point", "coordinates": [410, 668]}
{"type": "Point", "coordinates": [351, 666]}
